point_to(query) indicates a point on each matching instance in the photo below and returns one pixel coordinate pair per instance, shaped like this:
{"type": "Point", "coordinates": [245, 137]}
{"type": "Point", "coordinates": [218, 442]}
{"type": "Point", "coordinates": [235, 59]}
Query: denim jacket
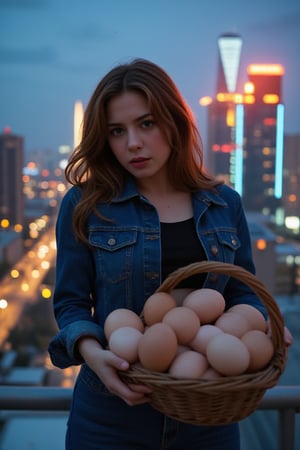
{"type": "Point", "coordinates": [121, 267]}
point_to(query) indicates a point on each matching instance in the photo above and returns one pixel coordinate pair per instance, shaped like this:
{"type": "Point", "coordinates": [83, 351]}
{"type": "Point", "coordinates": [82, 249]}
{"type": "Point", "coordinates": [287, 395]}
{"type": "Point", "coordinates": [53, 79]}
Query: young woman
{"type": "Point", "coordinates": [141, 205]}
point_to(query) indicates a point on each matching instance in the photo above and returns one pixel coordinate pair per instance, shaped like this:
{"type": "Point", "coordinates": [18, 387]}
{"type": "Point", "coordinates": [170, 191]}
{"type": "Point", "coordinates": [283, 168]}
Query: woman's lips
{"type": "Point", "coordinates": [139, 163]}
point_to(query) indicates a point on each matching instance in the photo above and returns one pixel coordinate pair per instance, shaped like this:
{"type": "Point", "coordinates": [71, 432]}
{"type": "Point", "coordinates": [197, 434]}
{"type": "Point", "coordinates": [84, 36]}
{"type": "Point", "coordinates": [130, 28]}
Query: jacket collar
{"type": "Point", "coordinates": [206, 196]}
{"type": "Point", "coordinates": [211, 196]}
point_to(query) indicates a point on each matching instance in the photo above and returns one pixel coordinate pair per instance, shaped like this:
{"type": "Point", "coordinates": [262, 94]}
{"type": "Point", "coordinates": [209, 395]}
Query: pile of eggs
{"type": "Point", "coordinates": [197, 339]}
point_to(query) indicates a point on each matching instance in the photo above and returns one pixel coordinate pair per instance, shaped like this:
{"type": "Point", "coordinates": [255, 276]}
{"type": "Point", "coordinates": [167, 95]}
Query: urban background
{"type": "Point", "coordinates": [251, 141]}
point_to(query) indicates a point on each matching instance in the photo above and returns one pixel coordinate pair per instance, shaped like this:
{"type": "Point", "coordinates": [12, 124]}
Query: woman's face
{"type": "Point", "coordinates": [135, 138]}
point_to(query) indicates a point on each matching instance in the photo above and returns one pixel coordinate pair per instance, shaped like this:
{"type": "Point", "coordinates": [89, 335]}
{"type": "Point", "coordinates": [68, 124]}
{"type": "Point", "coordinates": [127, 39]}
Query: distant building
{"type": "Point", "coordinates": [11, 247]}
{"type": "Point", "coordinates": [246, 129]}
{"type": "Point", "coordinates": [11, 183]}
{"type": "Point", "coordinates": [263, 139]}
{"type": "Point", "coordinates": [222, 109]}
{"type": "Point", "coordinates": [264, 251]}
{"type": "Point", "coordinates": [291, 182]}
{"type": "Point", "coordinates": [277, 261]}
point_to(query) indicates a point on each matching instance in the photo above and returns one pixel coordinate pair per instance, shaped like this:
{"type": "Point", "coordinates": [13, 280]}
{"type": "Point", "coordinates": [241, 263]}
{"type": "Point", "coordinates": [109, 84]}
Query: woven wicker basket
{"type": "Point", "coordinates": [223, 400]}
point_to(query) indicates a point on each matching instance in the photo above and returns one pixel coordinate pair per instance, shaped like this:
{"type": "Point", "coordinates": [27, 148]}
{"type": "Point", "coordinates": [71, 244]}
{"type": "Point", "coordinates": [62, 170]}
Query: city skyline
{"type": "Point", "coordinates": [54, 54]}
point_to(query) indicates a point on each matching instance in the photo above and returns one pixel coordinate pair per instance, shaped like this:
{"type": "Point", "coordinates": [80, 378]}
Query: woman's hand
{"type": "Point", "coordinates": [287, 335]}
{"type": "Point", "coordinates": [288, 338]}
{"type": "Point", "coordinates": [106, 366]}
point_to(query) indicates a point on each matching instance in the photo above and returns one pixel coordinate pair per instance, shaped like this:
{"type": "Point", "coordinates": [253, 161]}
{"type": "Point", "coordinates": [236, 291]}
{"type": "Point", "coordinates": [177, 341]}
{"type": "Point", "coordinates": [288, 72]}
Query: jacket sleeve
{"type": "Point", "coordinates": [62, 348]}
{"type": "Point", "coordinates": [73, 293]}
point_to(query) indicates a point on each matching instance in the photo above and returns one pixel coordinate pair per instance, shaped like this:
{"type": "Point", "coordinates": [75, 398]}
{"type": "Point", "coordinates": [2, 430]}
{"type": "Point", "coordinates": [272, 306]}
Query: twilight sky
{"type": "Point", "coordinates": [54, 52]}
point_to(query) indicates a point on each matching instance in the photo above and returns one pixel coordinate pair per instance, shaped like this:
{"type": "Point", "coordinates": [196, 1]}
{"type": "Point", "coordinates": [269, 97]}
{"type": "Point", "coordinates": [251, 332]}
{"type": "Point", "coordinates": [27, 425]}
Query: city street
{"type": "Point", "coordinates": [17, 292]}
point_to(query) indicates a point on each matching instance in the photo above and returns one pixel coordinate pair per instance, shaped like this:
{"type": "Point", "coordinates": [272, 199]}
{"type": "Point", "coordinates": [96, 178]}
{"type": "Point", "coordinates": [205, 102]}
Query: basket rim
{"type": "Point", "coordinates": [168, 391]}
{"type": "Point", "coordinates": [238, 272]}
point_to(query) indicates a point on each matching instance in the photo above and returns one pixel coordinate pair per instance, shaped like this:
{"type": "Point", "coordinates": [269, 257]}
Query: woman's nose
{"type": "Point", "coordinates": [134, 140]}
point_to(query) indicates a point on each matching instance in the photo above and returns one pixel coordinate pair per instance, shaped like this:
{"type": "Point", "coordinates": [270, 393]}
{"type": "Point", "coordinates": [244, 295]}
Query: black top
{"type": "Point", "coordinates": [180, 247]}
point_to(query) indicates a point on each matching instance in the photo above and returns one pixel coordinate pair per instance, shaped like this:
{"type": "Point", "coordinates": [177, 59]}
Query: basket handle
{"type": "Point", "coordinates": [275, 316]}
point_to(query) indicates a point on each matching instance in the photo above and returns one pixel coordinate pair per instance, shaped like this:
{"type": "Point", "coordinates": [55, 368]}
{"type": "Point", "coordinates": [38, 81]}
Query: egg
{"type": "Point", "coordinates": [182, 348]}
{"type": "Point", "coordinates": [157, 347]}
{"type": "Point", "coordinates": [122, 317]}
{"type": "Point", "coordinates": [252, 314]}
{"type": "Point", "coordinates": [233, 323]}
{"type": "Point", "coordinates": [188, 364]}
{"type": "Point", "coordinates": [124, 342]}
{"type": "Point", "coordinates": [184, 321]}
{"type": "Point", "coordinates": [203, 336]}
{"type": "Point", "coordinates": [260, 347]}
{"type": "Point", "coordinates": [227, 354]}
{"type": "Point", "coordinates": [211, 374]}
{"type": "Point", "coordinates": [208, 304]}
{"type": "Point", "coordinates": [156, 306]}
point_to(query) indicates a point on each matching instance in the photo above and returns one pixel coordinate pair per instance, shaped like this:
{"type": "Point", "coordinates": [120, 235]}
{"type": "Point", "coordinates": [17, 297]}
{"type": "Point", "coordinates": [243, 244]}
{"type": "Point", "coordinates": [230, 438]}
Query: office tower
{"type": "Point", "coordinates": [222, 111]}
{"type": "Point", "coordinates": [245, 129]}
{"type": "Point", "coordinates": [263, 139]}
{"type": "Point", "coordinates": [78, 118]}
{"type": "Point", "coordinates": [11, 183]}
{"type": "Point", "coordinates": [291, 182]}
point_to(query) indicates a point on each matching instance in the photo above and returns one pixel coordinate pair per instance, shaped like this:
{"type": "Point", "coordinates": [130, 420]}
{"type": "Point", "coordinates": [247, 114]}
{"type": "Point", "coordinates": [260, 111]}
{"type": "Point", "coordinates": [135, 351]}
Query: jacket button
{"type": "Point", "coordinates": [111, 241]}
{"type": "Point", "coordinates": [214, 250]}
{"type": "Point", "coordinates": [233, 241]}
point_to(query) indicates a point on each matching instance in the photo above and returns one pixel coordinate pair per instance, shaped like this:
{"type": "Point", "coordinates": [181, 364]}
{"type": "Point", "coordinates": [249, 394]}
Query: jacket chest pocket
{"type": "Point", "coordinates": [114, 253]}
{"type": "Point", "coordinates": [223, 245]}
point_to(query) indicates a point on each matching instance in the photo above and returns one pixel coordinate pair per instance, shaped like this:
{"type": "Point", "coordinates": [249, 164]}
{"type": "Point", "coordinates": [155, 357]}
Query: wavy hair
{"type": "Point", "coordinates": [93, 167]}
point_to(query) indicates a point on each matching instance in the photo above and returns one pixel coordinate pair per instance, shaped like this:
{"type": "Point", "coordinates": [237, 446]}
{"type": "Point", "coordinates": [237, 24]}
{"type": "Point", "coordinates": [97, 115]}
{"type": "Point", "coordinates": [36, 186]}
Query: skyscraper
{"type": "Point", "coordinates": [263, 139]}
{"type": "Point", "coordinates": [246, 129]}
{"type": "Point", "coordinates": [291, 181]}
{"type": "Point", "coordinates": [78, 118]}
{"type": "Point", "coordinates": [222, 111]}
{"type": "Point", "coordinates": [11, 183]}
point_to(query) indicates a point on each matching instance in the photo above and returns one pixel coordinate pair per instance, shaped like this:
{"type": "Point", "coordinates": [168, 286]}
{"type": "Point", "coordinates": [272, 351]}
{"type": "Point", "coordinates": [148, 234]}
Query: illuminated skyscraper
{"type": "Point", "coordinates": [291, 182]}
{"type": "Point", "coordinates": [246, 129]}
{"type": "Point", "coordinates": [223, 112]}
{"type": "Point", "coordinates": [11, 183]}
{"type": "Point", "coordinates": [263, 139]}
{"type": "Point", "coordinates": [78, 117]}
{"type": "Point", "coordinates": [229, 45]}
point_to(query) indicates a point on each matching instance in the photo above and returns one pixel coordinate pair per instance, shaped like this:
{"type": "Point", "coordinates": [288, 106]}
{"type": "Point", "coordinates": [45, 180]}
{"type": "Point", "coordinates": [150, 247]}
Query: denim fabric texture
{"type": "Point", "coordinates": [102, 421]}
{"type": "Point", "coordinates": [121, 268]}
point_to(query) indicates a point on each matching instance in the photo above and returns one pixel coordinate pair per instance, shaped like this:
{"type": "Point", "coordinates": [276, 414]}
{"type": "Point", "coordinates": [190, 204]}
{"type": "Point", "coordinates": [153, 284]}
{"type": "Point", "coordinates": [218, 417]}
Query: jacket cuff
{"type": "Point", "coordinates": [63, 349]}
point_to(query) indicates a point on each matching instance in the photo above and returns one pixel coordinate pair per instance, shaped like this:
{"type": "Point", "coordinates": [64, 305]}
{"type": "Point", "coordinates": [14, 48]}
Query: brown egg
{"type": "Point", "coordinates": [157, 347]}
{"type": "Point", "coordinates": [208, 304]}
{"type": "Point", "coordinates": [211, 374]}
{"type": "Point", "coordinates": [203, 336]}
{"type": "Point", "coordinates": [227, 354]}
{"type": "Point", "coordinates": [122, 317]}
{"type": "Point", "coordinates": [253, 315]}
{"type": "Point", "coordinates": [124, 342]}
{"type": "Point", "coordinates": [188, 364]}
{"type": "Point", "coordinates": [156, 306]}
{"type": "Point", "coordinates": [233, 323]}
{"type": "Point", "coordinates": [184, 321]}
{"type": "Point", "coordinates": [260, 347]}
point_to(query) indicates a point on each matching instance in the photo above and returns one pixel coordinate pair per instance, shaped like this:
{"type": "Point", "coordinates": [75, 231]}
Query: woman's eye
{"type": "Point", "coordinates": [116, 131]}
{"type": "Point", "coordinates": [147, 123]}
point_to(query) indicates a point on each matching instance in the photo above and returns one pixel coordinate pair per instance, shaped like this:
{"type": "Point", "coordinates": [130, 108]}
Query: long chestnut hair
{"type": "Point", "coordinates": [93, 167]}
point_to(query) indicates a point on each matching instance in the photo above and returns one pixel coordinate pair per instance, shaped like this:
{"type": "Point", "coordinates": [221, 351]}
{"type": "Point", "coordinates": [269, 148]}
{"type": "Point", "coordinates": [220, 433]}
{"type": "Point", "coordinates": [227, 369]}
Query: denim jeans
{"type": "Point", "coordinates": [101, 421]}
